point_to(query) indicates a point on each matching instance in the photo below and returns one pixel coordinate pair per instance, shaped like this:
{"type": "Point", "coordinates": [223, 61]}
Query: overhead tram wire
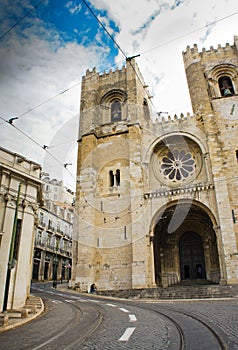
{"type": "Point", "coordinates": [39, 145]}
{"type": "Point", "coordinates": [46, 101]}
{"type": "Point", "coordinates": [193, 31]}
{"type": "Point", "coordinates": [65, 167]}
{"type": "Point", "coordinates": [128, 59]}
{"type": "Point", "coordinates": [102, 25]}
{"type": "Point", "coordinates": [21, 19]}
{"type": "Point", "coordinates": [54, 96]}
{"type": "Point", "coordinates": [143, 53]}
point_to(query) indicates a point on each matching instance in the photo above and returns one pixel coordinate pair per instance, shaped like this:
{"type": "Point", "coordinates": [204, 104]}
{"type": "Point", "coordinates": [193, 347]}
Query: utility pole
{"type": "Point", "coordinates": [10, 260]}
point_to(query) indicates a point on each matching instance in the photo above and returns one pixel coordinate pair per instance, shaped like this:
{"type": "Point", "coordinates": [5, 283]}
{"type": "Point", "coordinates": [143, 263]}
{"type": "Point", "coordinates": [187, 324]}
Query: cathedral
{"type": "Point", "coordinates": [156, 197]}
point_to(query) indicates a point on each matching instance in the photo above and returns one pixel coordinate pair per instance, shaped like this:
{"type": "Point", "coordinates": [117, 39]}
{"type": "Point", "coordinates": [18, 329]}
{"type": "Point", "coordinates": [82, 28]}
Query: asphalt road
{"type": "Point", "coordinates": [82, 321]}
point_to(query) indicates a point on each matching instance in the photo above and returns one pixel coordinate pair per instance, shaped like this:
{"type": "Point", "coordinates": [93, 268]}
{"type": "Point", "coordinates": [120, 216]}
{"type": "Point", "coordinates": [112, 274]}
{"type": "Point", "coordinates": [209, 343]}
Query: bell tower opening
{"type": "Point", "coordinates": [226, 86]}
{"type": "Point", "coordinates": [116, 111]}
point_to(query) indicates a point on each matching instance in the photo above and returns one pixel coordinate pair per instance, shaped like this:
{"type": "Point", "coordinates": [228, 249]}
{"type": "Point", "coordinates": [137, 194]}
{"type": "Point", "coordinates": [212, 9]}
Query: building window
{"type": "Point", "coordinates": [226, 87]}
{"type": "Point", "coordinates": [117, 176]}
{"type": "Point", "coordinates": [237, 155]}
{"type": "Point", "coordinates": [50, 224]}
{"type": "Point", "coordinates": [38, 238]}
{"type": "Point", "coordinates": [116, 111]}
{"type": "Point", "coordinates": [114, 178]}
{"type": "Point", "coordinates": [111, 178]}
{"type": "Point", "coordinates": [177, 165]}
{"type": "Point", "coordinates": [41, 219]}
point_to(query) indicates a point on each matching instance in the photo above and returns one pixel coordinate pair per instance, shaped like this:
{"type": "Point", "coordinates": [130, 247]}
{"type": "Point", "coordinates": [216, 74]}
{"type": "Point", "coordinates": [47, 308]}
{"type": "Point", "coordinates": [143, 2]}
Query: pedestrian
{"type": "Point", "coordinates": [55, 284]}
{"type": "Point", "coordinates": [199, 271]}
{"type": "Point", "coordinates": [93, 289]}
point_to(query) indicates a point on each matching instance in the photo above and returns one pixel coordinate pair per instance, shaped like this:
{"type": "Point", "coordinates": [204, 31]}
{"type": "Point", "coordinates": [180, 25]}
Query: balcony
{"type": "Point", "coordinates": [59, 232]}
{"type": "Point", "coordinates": [52, 249]}
{"type": "Point", "coordinates": [51, 229]}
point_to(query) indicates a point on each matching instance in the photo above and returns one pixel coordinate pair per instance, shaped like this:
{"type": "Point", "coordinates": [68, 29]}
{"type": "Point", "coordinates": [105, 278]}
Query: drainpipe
{"type": "Point", "coordinates": [10, 261]}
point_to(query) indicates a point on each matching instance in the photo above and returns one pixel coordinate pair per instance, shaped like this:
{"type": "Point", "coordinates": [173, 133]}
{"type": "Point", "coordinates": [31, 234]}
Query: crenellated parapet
{"type": "Point", "coordinates": [175, 121]}
{"type": "Point", "coordinates": [180, 124]}
{"type": "Point", "coordinates": [192, 55]}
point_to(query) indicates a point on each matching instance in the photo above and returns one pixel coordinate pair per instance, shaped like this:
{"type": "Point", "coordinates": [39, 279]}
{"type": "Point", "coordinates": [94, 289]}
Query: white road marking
{"type": "Point", "coordinates": [122, 309]}
{"type": "Point", "coordinates": [69, 301]}
{"type": "Point", "coordinates": [48, 341]}
{"type": "Point", "coordinates": [132, 318]}
{"type": "Point", "coordinates": [112, 305]}
{"type": "Point", "coordinates": [128, 332]}
{"type": "Point", "coordinates": [74, 297]}
{"type": "Point", "coordinates": [56, 301]}
{"type": "Point", "coordinates": [94, 301]}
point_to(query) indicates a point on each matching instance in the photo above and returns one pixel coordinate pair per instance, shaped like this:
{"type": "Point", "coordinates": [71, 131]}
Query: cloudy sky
{"type": "Point", "coordinates": [46, 47]}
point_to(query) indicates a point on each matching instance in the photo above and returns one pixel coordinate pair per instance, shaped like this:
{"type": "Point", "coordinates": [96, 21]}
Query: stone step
{"type": "Point", "coordinates": [178, 292]}
{"type": "Point", "coordinates": [33, 303]}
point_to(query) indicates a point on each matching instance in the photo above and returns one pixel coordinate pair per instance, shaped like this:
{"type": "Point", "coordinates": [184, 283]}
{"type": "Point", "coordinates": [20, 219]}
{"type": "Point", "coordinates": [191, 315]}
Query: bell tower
{"type": "Point", "coordinates": [119, 96]}
{"type": "Point", "coordinates": [212, 77]}
{"type": "Point", "coordinates": [114, 107]}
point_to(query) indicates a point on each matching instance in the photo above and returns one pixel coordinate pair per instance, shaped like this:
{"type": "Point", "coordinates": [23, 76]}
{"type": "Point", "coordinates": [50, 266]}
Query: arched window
{"type": "Point", "coordinates": [111, 178]}
{"type": "Point", "coordinates": [116, 111]}
{"type": "Point", "coordinates": [114, 178]}
{"type": "Point", "coordinates": [226, 87]}
{"type": "Point", "coordinates": [118, 177]}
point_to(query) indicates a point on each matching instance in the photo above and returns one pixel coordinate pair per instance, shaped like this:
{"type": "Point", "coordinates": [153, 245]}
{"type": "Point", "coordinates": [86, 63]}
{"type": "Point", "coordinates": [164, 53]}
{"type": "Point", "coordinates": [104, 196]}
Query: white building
{"type": "Point", "coordinates": [53, 238]}
{"type": "Point", "coordinates": [18, 214]}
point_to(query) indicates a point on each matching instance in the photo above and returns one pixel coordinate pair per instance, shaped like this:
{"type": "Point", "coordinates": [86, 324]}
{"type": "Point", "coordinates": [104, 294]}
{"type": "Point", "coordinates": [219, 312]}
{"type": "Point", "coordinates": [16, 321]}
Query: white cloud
{"type": "Point", "coordinates": [33, 70]}
{"type": "Point", "coordinates": [73, 7]}
{"type": "Point", "coordinates": [36, 63]}
{"type": "Point", "coordinates": [160, 31]}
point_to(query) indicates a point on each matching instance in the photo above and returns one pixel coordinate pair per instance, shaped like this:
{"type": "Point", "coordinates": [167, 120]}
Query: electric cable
{"type": "Point", "coordinates": [128, 59]}
{"type": "Point", "coordinates": [21, 19]}
{"type": "Point", "coordinates": [39, 145]}
{"type": "Point", "coordinates": [186, 34]}
{"type": "Point", "coordinates": [46, 101]}
{"type": "Point", "coordinates": [20, 116]}
{"type": "Point", "coordinates": [105, 29]}
{"type": "Point", "coordinates": [105, 69]}
{"type": "Point", "coordinates": [62, 92]}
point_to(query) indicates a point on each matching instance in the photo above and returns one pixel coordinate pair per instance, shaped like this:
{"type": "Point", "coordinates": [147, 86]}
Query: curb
{"type": "Point", "coordinates": [16, 322]}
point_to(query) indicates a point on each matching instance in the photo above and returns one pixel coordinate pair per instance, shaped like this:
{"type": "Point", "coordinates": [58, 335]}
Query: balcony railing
{"type": "Point", "coordinates": [52, 249]}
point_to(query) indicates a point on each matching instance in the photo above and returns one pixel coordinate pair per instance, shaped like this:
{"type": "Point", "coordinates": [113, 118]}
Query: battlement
{"type": "Point", "coordinates": [113, 76]}
{"type": "Point", "coordinates": [192, 54]}
{"type": "Point", "coordinates": [104, 75]}
{"type": "Point", "coordinates": [175, 119]}
{"type": "Point", "coordinates": [93, 79]}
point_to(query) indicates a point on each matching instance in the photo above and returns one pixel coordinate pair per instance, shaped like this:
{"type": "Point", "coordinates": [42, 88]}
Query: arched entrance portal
{"type": "Point", "coordinates": [192, 263]}
{"type": "Point", "coordinates": [185, 246]}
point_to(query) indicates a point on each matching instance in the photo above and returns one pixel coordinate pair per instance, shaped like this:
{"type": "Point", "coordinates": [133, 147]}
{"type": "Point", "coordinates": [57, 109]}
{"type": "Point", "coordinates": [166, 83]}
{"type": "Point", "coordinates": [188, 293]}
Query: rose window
{"type": "Point", "coordinates": [177, 165]}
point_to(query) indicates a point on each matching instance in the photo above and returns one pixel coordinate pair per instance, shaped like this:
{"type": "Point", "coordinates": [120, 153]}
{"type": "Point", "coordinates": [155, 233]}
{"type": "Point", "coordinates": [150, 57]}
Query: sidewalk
{"type": "Point", "coordinates": [13, 318]}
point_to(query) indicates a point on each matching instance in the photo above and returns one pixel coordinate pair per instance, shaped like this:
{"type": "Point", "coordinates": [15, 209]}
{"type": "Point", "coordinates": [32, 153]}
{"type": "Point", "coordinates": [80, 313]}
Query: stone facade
{"type": "Point", "coordinates": [15, 170]}
{"type": "Point", "coordinates": [156, 198]}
